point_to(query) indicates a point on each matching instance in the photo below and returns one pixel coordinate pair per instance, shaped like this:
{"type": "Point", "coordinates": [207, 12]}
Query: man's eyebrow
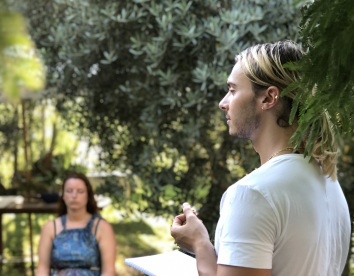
{"type": "Point", "coordinates": [229, 83]}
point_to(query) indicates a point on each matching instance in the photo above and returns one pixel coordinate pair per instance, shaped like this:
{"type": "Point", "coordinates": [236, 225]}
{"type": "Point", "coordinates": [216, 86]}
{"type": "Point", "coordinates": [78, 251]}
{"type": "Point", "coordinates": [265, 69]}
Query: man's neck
{"type": "Point", "coordinates": [273, 141]}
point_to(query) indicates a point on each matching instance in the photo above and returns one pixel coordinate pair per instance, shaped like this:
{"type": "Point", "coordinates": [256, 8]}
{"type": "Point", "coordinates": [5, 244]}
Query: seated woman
{"type": "Point", "coordinates": [79, 241]}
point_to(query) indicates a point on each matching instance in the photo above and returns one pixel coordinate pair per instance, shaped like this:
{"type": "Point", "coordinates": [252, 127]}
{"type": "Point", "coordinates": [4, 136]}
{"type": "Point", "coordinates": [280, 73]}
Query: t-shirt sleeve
{"type": "Point", "coordinates": [248, 230]}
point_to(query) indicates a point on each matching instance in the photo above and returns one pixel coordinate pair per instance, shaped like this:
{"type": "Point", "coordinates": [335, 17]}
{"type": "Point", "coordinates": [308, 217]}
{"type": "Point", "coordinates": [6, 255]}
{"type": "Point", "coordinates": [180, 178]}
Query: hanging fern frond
{"type": "Point", "coordinates": [327, 66]}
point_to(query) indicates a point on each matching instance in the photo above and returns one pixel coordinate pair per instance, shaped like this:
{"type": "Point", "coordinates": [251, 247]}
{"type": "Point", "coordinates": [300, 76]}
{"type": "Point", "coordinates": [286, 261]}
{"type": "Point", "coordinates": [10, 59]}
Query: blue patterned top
{"type": "Point", "coordinates": [75, 251]}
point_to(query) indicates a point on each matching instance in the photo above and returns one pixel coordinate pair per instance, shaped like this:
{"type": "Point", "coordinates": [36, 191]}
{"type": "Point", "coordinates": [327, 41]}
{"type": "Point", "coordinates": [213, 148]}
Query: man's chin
{"type": "Point", "coordinates": [237, 135]}
{"type": "Point", "coordinates": [234, 134]}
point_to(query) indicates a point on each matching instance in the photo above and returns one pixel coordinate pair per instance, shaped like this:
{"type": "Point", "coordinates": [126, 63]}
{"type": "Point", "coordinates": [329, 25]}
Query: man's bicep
{"type": "Point", "coordinates": [248, 233]}
{"type": "Point", "coordinates": [227, 270]}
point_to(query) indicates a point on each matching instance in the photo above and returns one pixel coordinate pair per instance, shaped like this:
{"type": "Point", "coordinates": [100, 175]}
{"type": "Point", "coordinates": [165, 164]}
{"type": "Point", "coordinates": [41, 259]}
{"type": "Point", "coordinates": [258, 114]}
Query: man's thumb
{"type": "Point", "coordinates": [187, 209]}
{"type": "Point", "coordinates": [185, 205]}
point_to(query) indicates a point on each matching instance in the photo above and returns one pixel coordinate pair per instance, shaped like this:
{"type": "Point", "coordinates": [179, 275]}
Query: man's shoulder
{"type": "Point", "coordinates": [283, 166]}
{"type": "Point", "coordinates": [281, 172]}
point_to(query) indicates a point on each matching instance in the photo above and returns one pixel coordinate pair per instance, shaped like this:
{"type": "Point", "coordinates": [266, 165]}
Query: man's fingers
{"type": "Point", "coordinates": [179, 220]}
{"type": "Point", "coordinates": [187, 210]}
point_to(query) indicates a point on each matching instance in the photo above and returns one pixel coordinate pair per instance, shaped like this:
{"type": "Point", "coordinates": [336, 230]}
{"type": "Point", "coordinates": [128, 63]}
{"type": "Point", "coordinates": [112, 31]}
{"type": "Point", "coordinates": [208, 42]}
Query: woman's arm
{"type": "Point", "coordinates": [107, 244]}
{"type": "Point", "coordinates": [45, 248]}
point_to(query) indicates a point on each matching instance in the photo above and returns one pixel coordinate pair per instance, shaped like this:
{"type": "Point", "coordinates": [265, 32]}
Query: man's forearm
{"type": "Point", "coordinates": [206, 259]}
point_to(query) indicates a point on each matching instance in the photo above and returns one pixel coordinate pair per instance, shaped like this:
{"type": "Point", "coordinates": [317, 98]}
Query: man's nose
{"type": "Point", "coordinates": [224, 103]}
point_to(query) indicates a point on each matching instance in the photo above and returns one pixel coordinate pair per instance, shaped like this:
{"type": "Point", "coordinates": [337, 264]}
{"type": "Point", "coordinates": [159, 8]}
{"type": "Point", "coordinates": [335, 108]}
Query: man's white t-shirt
{"type": "Point", "coordinates": [285, 216]}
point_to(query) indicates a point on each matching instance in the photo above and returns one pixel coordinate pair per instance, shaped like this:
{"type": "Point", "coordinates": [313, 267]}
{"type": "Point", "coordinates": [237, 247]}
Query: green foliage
{"type": "Point", "coordinates": [135, 236]}
{"type": "Point", "coordinates": [144, 78]}
{"type": "Point", "coordinates": [327, 33]}
{"type": "Point", "coordinates": [39, 162]}
{"type": "Point", "coordinates": [21, 68]}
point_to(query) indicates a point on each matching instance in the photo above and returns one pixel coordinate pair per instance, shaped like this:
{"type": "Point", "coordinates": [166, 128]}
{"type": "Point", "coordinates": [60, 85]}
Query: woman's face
{"type": "Point", "coordinates": [75, 194]}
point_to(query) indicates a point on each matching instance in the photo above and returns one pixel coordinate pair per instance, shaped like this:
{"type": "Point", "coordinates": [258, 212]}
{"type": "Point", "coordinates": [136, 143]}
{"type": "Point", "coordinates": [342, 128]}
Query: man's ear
{"type": "Point", "coordinates": [270, 97]}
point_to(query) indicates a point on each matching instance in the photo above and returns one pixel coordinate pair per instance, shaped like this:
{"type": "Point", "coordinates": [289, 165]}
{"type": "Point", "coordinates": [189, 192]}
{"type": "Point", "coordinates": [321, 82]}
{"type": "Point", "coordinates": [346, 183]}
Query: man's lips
{"type": "Point", "coordinates": [228, 119]}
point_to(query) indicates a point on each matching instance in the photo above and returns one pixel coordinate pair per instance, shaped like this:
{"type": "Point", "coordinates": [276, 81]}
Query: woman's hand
{"type": "Point", "coordinates": [188, 230]}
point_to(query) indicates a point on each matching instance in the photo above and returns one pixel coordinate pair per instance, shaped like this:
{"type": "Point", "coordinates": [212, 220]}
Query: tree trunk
{"type": "Point", "coordinates": [15, 148]}
{"type": "Point", "coordinates": [24, 133]}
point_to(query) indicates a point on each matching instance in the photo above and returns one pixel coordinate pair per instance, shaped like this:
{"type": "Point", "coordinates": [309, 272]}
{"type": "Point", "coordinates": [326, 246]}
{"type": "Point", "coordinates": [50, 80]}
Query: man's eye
{"type": "Point", "coordinates": [69, 191]}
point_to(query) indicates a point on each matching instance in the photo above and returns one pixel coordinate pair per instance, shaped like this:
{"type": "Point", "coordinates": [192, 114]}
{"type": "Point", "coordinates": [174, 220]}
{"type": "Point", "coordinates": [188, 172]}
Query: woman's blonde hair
{"type": "Point", "coordinates": [263, 65]}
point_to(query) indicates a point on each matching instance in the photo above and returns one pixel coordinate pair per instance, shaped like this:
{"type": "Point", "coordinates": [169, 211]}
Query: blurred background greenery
{"type": "Point", "coordinates": [128, 92]}
{"type": "Point", "coordinates": [136, 235]}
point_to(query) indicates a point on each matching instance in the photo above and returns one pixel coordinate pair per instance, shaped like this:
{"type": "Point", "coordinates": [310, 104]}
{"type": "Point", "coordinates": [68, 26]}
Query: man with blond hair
{"type": "Point", "coordinates": [289, 217]}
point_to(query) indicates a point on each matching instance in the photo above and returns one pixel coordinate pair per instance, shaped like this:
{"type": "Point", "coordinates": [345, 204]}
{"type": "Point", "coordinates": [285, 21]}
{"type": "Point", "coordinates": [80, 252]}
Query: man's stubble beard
{"type": "Point", "coordinates": [246, 123]}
